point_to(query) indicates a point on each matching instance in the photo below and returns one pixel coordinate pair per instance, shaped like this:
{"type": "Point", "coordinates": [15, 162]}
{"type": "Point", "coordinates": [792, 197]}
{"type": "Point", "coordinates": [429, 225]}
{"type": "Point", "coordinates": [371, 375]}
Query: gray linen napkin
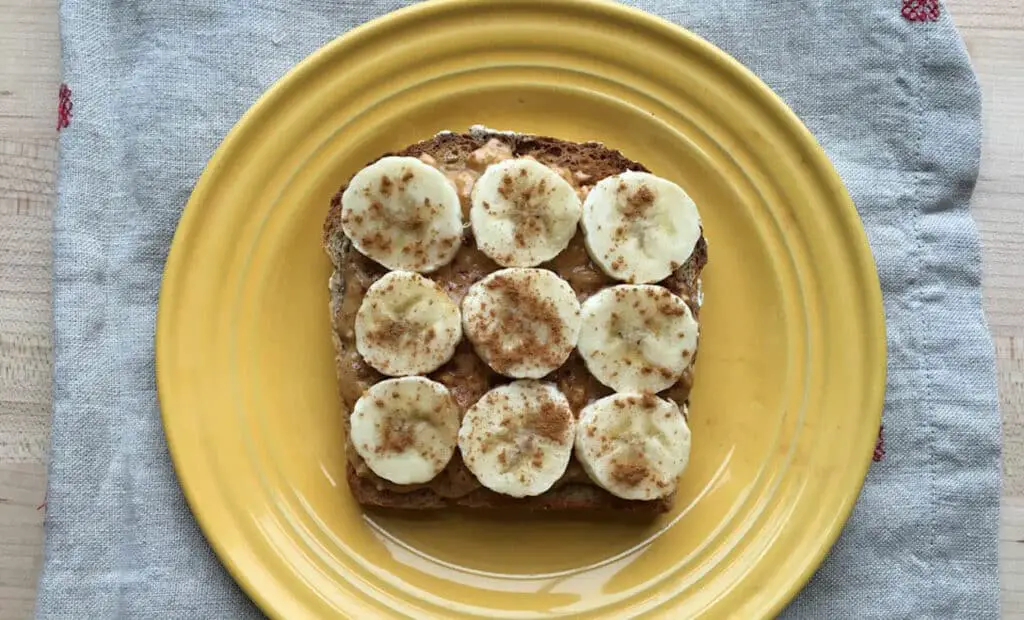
{"type": "Point", "coordinates": [886, 88]}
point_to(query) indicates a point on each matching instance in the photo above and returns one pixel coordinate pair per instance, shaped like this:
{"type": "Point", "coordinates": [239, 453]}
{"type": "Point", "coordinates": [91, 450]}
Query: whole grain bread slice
{"type": "Point", "coordinates": [449, 150]}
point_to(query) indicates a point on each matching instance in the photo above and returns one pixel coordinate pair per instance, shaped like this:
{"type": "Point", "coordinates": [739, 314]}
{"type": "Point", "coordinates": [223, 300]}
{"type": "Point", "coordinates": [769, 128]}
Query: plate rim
{"type": "Point", "coordinates": [176, 262]}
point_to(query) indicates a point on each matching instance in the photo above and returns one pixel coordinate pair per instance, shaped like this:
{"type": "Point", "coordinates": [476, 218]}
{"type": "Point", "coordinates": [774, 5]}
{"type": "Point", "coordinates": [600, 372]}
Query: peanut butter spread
{"type": "Point", "coordinates": [466, 375]}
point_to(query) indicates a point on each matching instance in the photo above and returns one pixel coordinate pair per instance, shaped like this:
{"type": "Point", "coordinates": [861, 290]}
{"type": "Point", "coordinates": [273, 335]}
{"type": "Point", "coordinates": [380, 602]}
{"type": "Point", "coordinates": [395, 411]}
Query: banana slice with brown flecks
{"type": "Point", "coordinates": [637, 337]}
{"type": "Point", "coordinates": [639, 227]}
{"type": "Point", "coordinates": [523, 212]}
{"type": "Point", "coordinates": [634, 445]}
{"type": "Point", "coordinates": [407, 325]}
{"type": "Point", "coordinates": [517, 439]}
{"type": "Point", "coordinates": [403, 214]}
{"type": "Point", "coordinates": [523, 322]}
{"type": "Point", "coordinates": [405, 429]}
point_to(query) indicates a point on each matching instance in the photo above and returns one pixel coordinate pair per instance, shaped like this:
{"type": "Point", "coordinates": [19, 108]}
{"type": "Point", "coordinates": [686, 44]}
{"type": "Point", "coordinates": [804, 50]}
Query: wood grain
{"type": "Point", "coordinates": [29, 78]}
{"type": "Point", "coordinates": [21, 536]}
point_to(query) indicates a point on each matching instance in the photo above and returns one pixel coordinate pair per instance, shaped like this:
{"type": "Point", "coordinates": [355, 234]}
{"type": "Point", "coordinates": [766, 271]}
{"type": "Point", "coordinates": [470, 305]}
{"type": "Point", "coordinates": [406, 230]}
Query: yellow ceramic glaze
{"type": "Point", "coordinates": [791, 371]}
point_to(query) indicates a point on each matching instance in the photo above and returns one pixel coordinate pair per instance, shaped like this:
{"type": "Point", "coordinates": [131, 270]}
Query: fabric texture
{"type": "Point", "coordinates": [158, 83]}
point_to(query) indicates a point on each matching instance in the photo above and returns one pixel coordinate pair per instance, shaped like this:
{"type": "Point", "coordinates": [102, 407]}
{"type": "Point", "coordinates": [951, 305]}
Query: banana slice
{"type": "Point", "coordinates": [403, 214]}
{"type": "Point", "coordinates": [638, 227]}
{"type": "Point", "coordinates": [523, 322]}
{"type": "Point", "coordinates": [633, 445]}
{"type": "Point", "coordinates": [523, 213]}
{"type": "Point", "coordinates": [637, 337]}
{"type": "Point", "coordinates": [405, 429]}
{"type": "Point", "coordinates": [517, 439]}
{"type": "Point", "coordinates": [407, 325]}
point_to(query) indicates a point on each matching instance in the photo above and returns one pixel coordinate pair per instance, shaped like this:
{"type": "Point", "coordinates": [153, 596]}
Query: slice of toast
{"type": "Point", "coordinates": [467, 376]}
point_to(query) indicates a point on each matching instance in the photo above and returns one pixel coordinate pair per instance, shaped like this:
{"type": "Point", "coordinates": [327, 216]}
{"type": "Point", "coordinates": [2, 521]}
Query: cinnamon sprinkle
{"type": "Point", "coordinates": [551, 421]}
{"type": "Point", "coordinates": [506, 186]}
{"type": "Point", "coordinates": [538, 458]}
{"type": "Point", "coordinates": [630, 474]}
{"type": "Point", "coordinates": [396, 437]}
{"type": "Point", "coordinates": [388, 332]}
{"type": "Point", "coordinates": [639, 202]}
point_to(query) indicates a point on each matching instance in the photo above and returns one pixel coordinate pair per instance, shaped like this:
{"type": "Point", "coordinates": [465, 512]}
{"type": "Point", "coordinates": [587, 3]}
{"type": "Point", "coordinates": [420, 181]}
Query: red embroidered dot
{"type": "Point", "coordinates": [920, 10]}
{"type": "Point", "coordinates": [879, 445]}
{"type": "Point", "coordinates": [64, 107]}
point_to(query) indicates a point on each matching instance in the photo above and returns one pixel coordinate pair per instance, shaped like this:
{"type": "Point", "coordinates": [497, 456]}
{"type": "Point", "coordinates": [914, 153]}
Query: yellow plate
{"type": "Point", "coordinates": [789, 383]}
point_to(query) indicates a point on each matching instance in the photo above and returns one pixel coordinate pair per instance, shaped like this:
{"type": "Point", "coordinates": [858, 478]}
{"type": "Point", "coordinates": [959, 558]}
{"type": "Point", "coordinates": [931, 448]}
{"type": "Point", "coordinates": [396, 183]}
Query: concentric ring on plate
{"type": "Point", "coordinates": [256, 454]}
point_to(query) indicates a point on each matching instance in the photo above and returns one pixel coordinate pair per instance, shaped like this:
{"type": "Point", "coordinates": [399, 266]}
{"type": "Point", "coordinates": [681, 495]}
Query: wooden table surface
{"type": "Point", "coordinates": [29, 80]}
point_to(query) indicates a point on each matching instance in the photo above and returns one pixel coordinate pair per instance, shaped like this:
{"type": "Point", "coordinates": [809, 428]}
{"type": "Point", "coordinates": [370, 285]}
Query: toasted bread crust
{"type": "Point", "coordinates": [590, 158]}
{"type": "Point", "coordinates": [566, 498]}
